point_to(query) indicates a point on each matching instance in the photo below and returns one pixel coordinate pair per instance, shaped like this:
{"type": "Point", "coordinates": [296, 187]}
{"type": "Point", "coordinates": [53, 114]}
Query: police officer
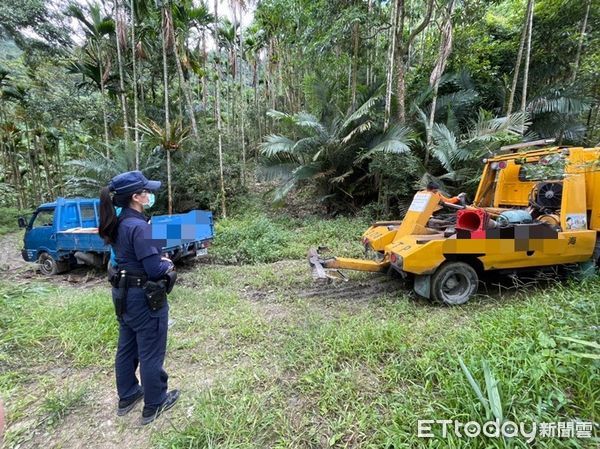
{"type": "Point", "coordinates": [142, 315]}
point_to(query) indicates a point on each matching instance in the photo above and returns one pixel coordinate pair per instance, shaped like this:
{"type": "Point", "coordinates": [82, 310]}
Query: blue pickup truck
{"type": "Point", "coordinates": [64, 233]}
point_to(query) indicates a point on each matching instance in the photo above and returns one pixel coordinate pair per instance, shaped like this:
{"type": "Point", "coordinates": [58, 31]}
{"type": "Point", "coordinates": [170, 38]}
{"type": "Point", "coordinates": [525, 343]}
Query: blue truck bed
{"type": "Point", "coordinates": [65, 233]}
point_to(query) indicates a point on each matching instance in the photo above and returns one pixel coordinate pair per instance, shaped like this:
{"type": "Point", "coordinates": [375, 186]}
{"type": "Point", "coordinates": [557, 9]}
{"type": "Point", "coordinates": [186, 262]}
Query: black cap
{"type": "Point", "coordinates": [130, 182]}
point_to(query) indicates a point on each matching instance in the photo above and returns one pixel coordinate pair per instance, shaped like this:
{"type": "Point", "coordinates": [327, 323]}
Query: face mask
{"type": "Point", "coordinates": [150, 202]}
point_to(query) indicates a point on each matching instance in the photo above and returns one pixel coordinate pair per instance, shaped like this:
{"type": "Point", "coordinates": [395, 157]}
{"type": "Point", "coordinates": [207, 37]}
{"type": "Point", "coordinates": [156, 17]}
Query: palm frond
{"type": "Point", "coordinates": [363, 111]}
{"type": "Point", "coordinates": [361, 129]}
{"type": "Point", "coordinates": [275, 144]}
{"type": "Point", "coordinates": [341, 178]}
{"type": "Point", "coordinates": [281, 116]}
{"type": "Point", "coordinates": [456, 100]}
{"type": "Point", "coordinates": [306, 144]}
{"type": "Point", "coordinates": [278, 171]}
{"type": "Point", "coordinates": [459, 175]}
{"type": "Point", "coordinates": [485, 128]}
{"type": "Point", "coordinates": [282, 190]}
{"type": "Point", "coordinates": [396, 140]}
{"type": "Point", "coordinates": [445, 145]}
{"type": "Point", "coordinates": [306, 120]}
{"type": "Point", "coordinates": [307, 171]}
{"type": "Point", "coordinates": [559, 104]}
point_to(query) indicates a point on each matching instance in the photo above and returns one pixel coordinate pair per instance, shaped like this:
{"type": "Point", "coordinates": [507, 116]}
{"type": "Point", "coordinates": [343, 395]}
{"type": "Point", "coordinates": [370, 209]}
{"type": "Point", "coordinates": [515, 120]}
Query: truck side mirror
{"type": "Point", "coordinates": [22, 222]}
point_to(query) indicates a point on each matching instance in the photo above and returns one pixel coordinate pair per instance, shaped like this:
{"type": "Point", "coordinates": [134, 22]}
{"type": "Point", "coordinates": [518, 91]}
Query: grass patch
{"type": "Point", "coordinates": [258, 238]}
{"type": "Point", "coordinates": [59, 404]}
{"type": "Point", "coordinates": [43, 321]}
{"type": "Point", "coordinates": [364, 378]}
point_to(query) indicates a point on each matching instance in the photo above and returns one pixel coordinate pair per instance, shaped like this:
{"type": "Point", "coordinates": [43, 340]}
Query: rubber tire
{"type": "Point", "coordinates": [466, 273]}
{"type": "Point", "coordinates": [49, 266]}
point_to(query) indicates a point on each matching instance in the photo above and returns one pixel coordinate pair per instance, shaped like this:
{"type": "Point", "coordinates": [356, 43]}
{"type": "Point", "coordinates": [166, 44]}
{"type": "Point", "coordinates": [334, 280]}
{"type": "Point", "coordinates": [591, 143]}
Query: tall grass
{"type": "Point", "coordinates": [364, 380]}
{"type": "Point", "coordinates": [40, 321]}
{"type": "Point", "coordinates": [257, 238]}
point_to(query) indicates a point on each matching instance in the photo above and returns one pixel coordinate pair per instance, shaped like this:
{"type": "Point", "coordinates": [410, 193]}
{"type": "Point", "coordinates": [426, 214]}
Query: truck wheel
{"type": "Point", "coordinates": [49, 266]}
{"type": "Point", "coordinates": [453, 283]}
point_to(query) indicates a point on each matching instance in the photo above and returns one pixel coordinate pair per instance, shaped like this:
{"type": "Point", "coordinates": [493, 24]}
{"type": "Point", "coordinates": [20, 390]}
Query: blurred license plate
{"type": "Point", "coordinates": [202, 252]}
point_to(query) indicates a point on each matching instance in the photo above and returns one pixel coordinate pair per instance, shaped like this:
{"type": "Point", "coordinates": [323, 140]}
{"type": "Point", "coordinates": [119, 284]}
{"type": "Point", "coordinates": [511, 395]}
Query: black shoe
{"type": "Point", "coordinates": [150, 414]}
{"type": "Point", "coordinates": [125, 405]}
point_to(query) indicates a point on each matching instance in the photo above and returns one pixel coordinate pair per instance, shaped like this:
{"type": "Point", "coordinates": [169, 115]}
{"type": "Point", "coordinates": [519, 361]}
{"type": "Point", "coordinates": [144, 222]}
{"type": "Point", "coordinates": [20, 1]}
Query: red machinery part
{"type": "Point", "coordinates": [472, 219]}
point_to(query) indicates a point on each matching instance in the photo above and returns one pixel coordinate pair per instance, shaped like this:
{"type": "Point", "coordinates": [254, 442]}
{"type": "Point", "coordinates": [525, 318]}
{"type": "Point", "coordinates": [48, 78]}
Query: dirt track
{"type": "Point", "coordinates": [14, 268]}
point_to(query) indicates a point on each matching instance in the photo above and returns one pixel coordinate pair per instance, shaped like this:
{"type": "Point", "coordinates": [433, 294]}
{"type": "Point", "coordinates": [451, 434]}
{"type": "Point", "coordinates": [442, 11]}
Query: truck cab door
{"type": "Point", "coordinates": [41, 233]}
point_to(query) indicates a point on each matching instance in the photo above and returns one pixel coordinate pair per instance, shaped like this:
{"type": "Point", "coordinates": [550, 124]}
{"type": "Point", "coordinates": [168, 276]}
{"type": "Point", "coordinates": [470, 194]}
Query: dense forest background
{"type": "Point", "coordinates": [349, 105]}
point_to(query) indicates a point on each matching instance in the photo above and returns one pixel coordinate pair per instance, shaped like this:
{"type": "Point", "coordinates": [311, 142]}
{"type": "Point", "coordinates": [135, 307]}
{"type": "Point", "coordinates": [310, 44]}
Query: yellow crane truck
{"type": "Point", "coordinates": [534, 207]}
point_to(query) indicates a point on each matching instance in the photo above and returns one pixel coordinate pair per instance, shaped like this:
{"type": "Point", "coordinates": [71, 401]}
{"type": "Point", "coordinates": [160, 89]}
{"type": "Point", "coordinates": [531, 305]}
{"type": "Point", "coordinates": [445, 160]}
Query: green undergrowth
{"type": "Point", "coordinates": [256, 237]}
{"type": "Point", "coordinates": [8, 219]}
{"type": "Point", "coordinates": [262, 365]}
{"type": "Point", "coordinates": [47, 330]}
{"type": "Point", "coordinates": [364, 378]}
{"type": "Point", "coordinates": [42, 320]}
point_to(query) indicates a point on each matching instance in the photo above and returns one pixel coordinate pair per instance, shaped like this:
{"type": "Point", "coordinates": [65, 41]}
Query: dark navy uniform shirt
{"type": "Point", "coordinates": [135, 250]}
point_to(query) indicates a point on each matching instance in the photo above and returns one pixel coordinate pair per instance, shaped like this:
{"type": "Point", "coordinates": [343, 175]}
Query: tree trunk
{"type": "Point", "coordinates": [400, 53]}
{"type": "Point", "coordinates": [135, 88]}
{"type": "Point", "coordinates": [17, 176]}
{"type": "Point", "coordinates": [527, 56]}
{"type": "Point", "coordinates": [436, 74]}
{"type": "Point", "coordinates": [218, 112]}
{"type": "Point", "coordinates": [104, 112]}
{"type": "Point", "coordinates": [279, 71]}
{"type": "Point", "coordinates": [368, 51]}
{"type": "Point", "coordinates": [390, 67]}
{"type": "Point", "coordinates": [513, 89]}
{"type": "Point", "coordinates": [165, 32]}
{"type": "Point", "coordinates": [242, 101]}
{"type": "Point", "coordinates": [34, 188]}
{"type": "Point", "coordinates": [403, 49]}
{"type": "Point", "coordinates": [59, 165]}
{"type": "Point", "coordinates": [121, 40]}
{"type": "Point", "coordinates": [46, 163]}
{"type": "Point", "coordinates": [170, 192]}
{"type": "Point", "coordinates": [581, 38]}
{"type": "Point", "coordinates": [272, 84]}
{"type": "Point", "coordinates": [179, 94]}
{"type": "Point", "coordinates": [186, 91]}
{"type": "Point", "coordinates": [355, 31]}
{"type": "Point", "coordinates": [142, 92]}
{"type": "Point", "coordinates": [33, 161]}
{"type": "Point", "coordinates": [204, 85]}
{"type": "Point", "coordinates": [255, 88]}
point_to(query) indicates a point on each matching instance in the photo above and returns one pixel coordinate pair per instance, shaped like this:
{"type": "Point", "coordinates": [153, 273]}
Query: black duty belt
{"type": "Point", "coordinates": [123, 281]}
{"type": "Point", "coordinates": [128, 281]}
{"type": "Point", "coordinates": [135, 281]}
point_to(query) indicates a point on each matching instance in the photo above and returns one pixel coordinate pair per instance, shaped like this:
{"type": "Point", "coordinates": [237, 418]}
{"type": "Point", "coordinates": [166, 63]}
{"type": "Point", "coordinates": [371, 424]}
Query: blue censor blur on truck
{"type": "Point", "coordinates": [63, 234]}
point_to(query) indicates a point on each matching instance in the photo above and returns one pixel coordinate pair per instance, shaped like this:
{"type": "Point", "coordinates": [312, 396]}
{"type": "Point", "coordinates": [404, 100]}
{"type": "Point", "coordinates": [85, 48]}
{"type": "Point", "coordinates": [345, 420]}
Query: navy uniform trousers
{"type": "Point", "coordinates": [143, 342]}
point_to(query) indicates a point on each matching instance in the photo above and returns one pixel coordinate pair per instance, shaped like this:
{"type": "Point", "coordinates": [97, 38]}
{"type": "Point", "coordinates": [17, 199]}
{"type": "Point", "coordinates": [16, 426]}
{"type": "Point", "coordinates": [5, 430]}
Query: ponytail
{"type": "Point", "coordinates": [108, 217]}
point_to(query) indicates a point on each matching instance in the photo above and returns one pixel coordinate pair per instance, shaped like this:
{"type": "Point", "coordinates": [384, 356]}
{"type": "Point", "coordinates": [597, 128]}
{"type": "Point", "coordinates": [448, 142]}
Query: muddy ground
{"type": "Point", "coordinates": [14, 268]}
